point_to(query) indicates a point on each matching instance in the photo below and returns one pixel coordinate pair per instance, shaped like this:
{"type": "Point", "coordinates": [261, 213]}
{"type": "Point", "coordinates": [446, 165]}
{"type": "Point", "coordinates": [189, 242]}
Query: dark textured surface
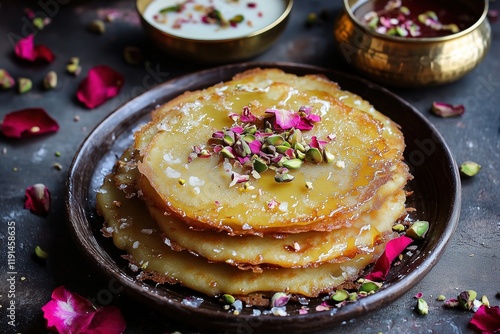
{"type": "Point", "coordinates": [471, 260]}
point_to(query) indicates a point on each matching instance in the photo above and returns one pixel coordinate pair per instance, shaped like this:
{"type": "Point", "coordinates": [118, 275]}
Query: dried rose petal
{"type": "Point", "coordinates": [284, 119]}
{"type": "Point", "coordinates": [393, 248]}
{"type": "Point", "coordinates": [101, 84]}
{"type": "Point", "coordinates": [68, 312]}
{"type": "Point", "coordinates": [447, 110]}
{"type": "Point", "coordinates": [486, 319]}
{"type": "Point", "coordinates": [27, 50]}
{"type": "Point", "coordinates": [493, 15]}
{"type": "Point", "coordinates": [28, 122]}
{"type": "Point", "coordinates": [37, 199]}
{"type": "Point", "coordinates": [247, 116]}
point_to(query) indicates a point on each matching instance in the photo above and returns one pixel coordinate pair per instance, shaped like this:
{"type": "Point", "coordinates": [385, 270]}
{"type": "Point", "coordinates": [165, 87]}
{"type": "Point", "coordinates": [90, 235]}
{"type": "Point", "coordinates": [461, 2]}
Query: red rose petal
{"type": "Point", "coordinates": [486, 319]}
{"type": "Point", "coordinates": [393, 248]}
{"type": "Point", "coordinates": [37, 199]}
{"type": "Point", "coordinates": [101, 84]}
{"type": "Point", "coordinates": [107, 320]}
{"type": "Point", "coordinates": [27, 50]}
{"type": "Point", "coordinates": [27, 123]}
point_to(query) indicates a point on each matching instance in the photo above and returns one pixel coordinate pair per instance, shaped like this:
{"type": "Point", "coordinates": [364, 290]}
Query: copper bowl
{"type": "Point", "coordinates": [215, 50]}
{"type": "Point", "coordinates": [412, 62]}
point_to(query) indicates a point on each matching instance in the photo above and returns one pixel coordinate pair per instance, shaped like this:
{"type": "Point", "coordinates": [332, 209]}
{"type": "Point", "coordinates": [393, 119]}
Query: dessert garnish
{"type": "Point", "coordinates": [275, 142]}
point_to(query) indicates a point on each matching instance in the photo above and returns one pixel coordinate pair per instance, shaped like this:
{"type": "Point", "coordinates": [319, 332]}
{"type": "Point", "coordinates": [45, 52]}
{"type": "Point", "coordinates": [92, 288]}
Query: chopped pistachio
{"type": "Point", "coordinates": [39, 23]}
{"type": "Point", "coordinates": [328, 157]}
{"type": "Point", "coordinates": [466, 299]}
{"type": "Point", "coordinates": [485, 301]}
{"type": "Point", "coordinates": [309, 185]}
{"type": "Point", "coordinates": [422, 307]}
{"type": "Point", "coordinates": [74, 68]}
{"type": "Point", "coordinates": [292, 163]}
{"type": "Point", "coordinates": [444, 110]}
{"type": "Point", "coordinates": [40, 253]}
{"type": "Point", "coordinates": [24, 85]}
{"type": "Point", "coordinates": [283, 177]}
{"type": "Point", "coordinates": [236, 19]}
{"type": "Point", "coordinates": [6, 81]}
{"type": "Point", "coordinates": [97, 26]}
{"type": "Point", "coordinates": [340, 295]}
{"type": "Point", "coordinates": [181, 181]}
{"type": "Point", "coordinates": [398, 227]}
{"type": "Point", "coordinates": [441, 298]}
{"type": "Point", "coordinates": [228, 299]}
{"type": "Point", "coordinates": [50, 80]}
{"type": "Point", "coordinates": [418, 229]}
{"type": "Point", "coordinates": [369, 286]}
{"type": "Point", "coordinates": [470, 168]}
{"type": "Point", "coordinates": [314, 155]}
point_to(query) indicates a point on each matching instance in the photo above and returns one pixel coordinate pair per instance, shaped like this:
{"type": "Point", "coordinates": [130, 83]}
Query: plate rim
{"type": "Point", "coordinates": [139, 291]}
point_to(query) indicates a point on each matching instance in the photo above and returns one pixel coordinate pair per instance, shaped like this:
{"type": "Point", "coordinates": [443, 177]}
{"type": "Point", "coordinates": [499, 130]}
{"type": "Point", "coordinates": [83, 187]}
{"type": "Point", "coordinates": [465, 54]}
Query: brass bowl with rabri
{"type": "Point", "coordinates": [399, 61]}
{"type": "Point", "coordinates": [264, 22]}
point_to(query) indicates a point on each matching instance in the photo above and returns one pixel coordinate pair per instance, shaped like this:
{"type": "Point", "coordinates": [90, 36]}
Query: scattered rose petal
{"type": "Point", "coordinates": [447, 110]}
{"type": "Point", "coordinates": [486, 319]}
{"type": "Point", "coordinates": [419, 295]}
{"type": "Point", "coordinates": [26, 49]}
{"type": "Point", "coordinates": [28, 122]}
{"type": "Point", "coordinates": [393, 248]}
{"type": "Point", "coordinates": [37, 199]}
{"type": "Point", "coordinates": [69, 312]}
{"type": "Point", "coordinates": [493, 15]}
{"type": "Point", "coordinates": [247, 116]}
{"type": "Point", "coordinates": [101, 84]}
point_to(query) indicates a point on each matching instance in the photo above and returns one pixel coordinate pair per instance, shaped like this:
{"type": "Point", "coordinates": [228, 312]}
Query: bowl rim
{"type": "Point", "coordinates": [360, 25]}
{"type": "Point", "coordinates": [282, 18]}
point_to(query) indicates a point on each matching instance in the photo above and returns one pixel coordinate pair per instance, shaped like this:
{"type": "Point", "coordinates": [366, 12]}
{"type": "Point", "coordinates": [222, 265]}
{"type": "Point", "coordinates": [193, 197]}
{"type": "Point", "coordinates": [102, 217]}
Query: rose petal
{"type": "Point", "coordinates": [37, 199]}
{"type": "Point", "coordinates": [26, 49]}
{"type": "Point", "coordinates": [284, 119]}
{"type": "Point", "coordinates": [106, 320]}
{"type": "Point", "coordinates": [28, 122]}
{"type": "Point", "coordinates": [393, 248]}
{"type": "Point", "coordinates": [101, 84]}
{"type": "Point", "coordinates": [247, 116]}
{"type": "Point", "coordinates": [67, 312]}
{"type": "Point", "coordinates": [486, 319]}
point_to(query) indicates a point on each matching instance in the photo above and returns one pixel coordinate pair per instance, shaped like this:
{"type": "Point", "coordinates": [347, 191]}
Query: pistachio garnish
{"type": "Point", "coordinates": [370, 286]}
{"type": "Point", "coordinates": [40, 253]}
{"type": "Point", "coordinates": [228, 299]}
{"type": "Point", "coordinates": [398, 227]}
{"type": "Point", "coordinates": [470, 168]}
{"type": "Point", "coordinates": [485, 301]}
{"type": "Point", "coordinates": [50, 80]}
{"type": "Point", "coordinates": [97, 26]}
{"type": "Point", "coordinates": [442, 109]}
{"type": "Point", "coordinates": [441, 298]}
{"type": "Point", "coordinates": [274, 141]}
{"type": "Point", "coordinates": [279, 299]}
{"type": "Point", "coordinates": [73, 67]}
{"type": "Point", "coordinates": [6, 81]}
{"type": "Point", "coordinates": [418, 229]}
{"type": "Point", "coordinates": [340, 295]}
{"type": "Point", "coordinates": [422, 306]}
{"type": "Point", "coordinates": [466, 299]}
{"type": "Point", "coordinates": [24, 85]}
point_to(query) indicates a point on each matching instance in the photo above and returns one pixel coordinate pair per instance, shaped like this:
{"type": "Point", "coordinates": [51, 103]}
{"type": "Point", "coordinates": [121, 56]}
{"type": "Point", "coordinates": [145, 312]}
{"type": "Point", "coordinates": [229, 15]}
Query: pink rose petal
{"type": "Point", "coordinates": [486, 319]}
{"type": "Point", "coordinates": [393, 248]}
{"type": "Point", "coordinates": [68, 313]}
{"type": "Point", "coordinates": [28, 122]}
{"type": "Point", "coordinates": [284, 119]}
{"type": "Point", "coordinates": [37, 199]}
{"type": "Point", "coordinates": [101, 84]}
{"type": "Point", "coordinates": [26, 49]}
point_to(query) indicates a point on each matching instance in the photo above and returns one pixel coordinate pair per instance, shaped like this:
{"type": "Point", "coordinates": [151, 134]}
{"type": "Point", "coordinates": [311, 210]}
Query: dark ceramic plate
{"type": "Point", "coordinates": [436, 196]}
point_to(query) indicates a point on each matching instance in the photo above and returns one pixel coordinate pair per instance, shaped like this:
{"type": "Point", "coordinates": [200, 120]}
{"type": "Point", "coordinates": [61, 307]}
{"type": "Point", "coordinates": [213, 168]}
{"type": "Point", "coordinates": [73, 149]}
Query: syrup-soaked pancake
{"type": "Point", "coordinates": [365, 161]}
{"type": "Point", "coordinates": [133, 230]}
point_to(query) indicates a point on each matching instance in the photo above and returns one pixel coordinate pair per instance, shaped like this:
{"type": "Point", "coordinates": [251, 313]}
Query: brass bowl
{"type": "Point", "coordinates": [412, 62]}
{"type": "Point", "coordinates": [219, 50]}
